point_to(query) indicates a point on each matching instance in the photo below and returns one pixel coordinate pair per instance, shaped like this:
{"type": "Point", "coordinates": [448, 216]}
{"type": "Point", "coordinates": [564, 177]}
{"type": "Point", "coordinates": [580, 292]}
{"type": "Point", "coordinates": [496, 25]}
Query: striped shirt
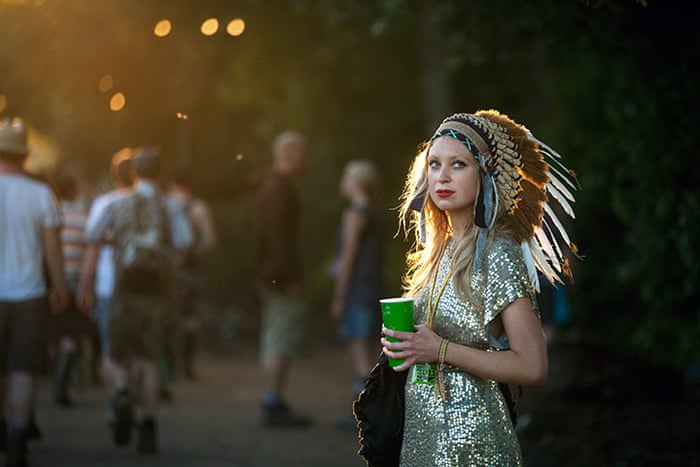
{"type": "Point", "coordinates": [72, 241]}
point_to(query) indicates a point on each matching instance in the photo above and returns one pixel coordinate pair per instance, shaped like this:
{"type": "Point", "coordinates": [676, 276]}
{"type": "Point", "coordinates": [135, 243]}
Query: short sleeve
{"type": "Point", "coordinates": [98, 221]}
{"type": "Point", "coordinates": [51, 215]}
{"type": "Point", "coordinates": [180, 226]}
{"type": "Point", "coordinates": [506, 281]}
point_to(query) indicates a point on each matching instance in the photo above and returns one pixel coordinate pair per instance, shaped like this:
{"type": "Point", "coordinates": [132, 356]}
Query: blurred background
{"type": "Point", "coordinates": [611, 84]}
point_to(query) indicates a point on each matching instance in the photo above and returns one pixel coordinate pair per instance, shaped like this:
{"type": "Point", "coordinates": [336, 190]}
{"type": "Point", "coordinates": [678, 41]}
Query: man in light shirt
{"type": "Point", "coordinates": [30, 250]}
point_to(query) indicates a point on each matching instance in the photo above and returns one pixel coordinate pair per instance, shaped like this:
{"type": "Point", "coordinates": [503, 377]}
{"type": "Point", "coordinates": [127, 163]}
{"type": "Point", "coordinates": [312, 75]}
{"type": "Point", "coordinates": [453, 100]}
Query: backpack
{"type": "Point", "coordinates": [143, 246]}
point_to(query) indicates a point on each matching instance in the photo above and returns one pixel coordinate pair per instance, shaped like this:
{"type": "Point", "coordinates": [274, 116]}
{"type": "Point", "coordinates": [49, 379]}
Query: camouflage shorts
{"type": "Point", "coordinates": [141, 326]}
{"type": "Point", "coordinates": [283, 323]}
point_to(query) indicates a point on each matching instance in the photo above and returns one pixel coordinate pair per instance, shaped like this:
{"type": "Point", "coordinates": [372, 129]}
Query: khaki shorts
{"type": "Point", "coordinates": [141, 326]}
{"type": "Point", "coordinates": [283, 323]}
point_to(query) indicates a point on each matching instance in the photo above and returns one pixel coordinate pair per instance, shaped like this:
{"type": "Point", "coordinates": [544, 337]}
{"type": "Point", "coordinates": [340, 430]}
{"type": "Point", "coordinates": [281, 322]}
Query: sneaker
{"type": "Point", "coordinates": [279, 415]}
{"type": "Point", "coordinates": [147, 441]}
{"type": "Point", "coordinates": [123, 411]}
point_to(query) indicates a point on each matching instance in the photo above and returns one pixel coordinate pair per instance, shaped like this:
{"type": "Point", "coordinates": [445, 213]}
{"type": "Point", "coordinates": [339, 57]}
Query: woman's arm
{"type": "Point", "coordinates": [353, 225]}
{"type": "Point", "coordinates": [525, 363]}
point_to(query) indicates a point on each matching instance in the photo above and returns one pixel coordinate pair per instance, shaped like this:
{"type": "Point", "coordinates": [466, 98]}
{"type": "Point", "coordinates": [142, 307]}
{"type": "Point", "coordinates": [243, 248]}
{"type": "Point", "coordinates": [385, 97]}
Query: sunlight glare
{"type": "Point", "coordinates": [210, 26]}
{"type": "Point", "coordinates": [117, 102]}
{"type": "Point", "coordinates": [106, 83]}
{"type": "Point", "coordinates": [162, 28]}
{"type": "Point", "coordinates": [235, 27]}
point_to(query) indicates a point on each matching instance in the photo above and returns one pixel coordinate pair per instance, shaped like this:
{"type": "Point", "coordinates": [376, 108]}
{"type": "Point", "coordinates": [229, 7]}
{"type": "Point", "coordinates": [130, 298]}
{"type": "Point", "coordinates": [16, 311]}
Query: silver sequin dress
{"type": "Point", "coordinates": [472, 426]}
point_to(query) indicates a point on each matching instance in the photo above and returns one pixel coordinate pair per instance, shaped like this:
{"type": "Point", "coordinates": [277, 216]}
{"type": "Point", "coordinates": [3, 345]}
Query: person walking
{"type": "Point", "coordinates": [30, 250]}
{"type": "Point", "coordinates": [358, 271]}
{"type": "Point", "coordinates": [189, 275]}
{"type": "Point", "coordinates": [148, 232]}
{"type": "Point", "coordinates": [122, 177]}
{"type": "Point", "coordinates": [478, 197]}
{"type": "Point", "coordinates": [72, 333]}
{"type": "Point", "coordinates": [278, 275]}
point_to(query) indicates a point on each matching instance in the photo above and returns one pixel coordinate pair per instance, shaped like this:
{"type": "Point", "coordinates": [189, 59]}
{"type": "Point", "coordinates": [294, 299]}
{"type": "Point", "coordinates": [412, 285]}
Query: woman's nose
{"type": "Point", "coordinates": [444, 174]}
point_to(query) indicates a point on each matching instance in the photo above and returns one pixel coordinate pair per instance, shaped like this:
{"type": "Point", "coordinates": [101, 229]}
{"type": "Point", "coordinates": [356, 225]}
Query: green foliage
{"type": "Point", "coordinates": [632, 137]}
{"type": "Point", "coordinates": [611, 84]}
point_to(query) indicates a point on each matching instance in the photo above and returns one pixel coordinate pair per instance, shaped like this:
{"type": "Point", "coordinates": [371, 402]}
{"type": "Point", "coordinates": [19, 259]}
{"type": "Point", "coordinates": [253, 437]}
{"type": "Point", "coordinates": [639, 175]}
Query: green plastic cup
{"type": "Point", "coordinates": [397, 314]}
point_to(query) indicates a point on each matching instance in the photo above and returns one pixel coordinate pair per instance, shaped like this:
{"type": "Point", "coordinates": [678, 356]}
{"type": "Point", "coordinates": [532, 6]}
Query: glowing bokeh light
{"type": "Point", "coordinates": [117, 102]}
{"type": "Point", "coordinates": [162, 28]}
{"type": "Point", "coordinates": [210, 26]}
{"type": "Point", "coordinates": [3, 102]}
{"type": "Point", "coordinates": [106, 83]}
{"type": "Point", "coordinates": [182, 116]}
{"type": "Point", "coordinates": [235, 27]}
{"type": "Point", "coordinates": [239, 157]}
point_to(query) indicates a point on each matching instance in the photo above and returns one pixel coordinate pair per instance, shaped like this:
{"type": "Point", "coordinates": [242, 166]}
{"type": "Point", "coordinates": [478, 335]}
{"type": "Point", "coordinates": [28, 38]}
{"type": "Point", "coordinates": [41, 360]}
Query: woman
{"type": "Point", "coordinates": [480, 187]}
{"type": "Point", "coordinates": [358, 270]}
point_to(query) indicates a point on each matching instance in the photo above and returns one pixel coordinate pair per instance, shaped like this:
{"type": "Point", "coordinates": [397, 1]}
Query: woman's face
{"type": "Point", "coordinates": [348, 184]}
{"type": "Point", "coordinates": [453, 177]}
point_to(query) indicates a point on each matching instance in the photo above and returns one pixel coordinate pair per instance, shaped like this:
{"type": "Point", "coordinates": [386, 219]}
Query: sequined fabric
{"type": "Point", "coordinates": [472, 426]}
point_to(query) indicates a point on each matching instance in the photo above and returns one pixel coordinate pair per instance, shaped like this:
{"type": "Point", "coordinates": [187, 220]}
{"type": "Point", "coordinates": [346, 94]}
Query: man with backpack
{"type": "Point", "coordinates": [149, 231]}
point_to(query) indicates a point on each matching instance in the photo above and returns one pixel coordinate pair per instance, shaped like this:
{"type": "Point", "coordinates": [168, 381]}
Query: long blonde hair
{"type": "Point", "coordinates": [431, 229]}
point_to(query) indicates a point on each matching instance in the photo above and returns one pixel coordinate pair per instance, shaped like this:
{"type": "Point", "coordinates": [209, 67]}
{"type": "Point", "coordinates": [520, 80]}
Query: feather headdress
{"type": "Point", "coordinates": [527, 175]}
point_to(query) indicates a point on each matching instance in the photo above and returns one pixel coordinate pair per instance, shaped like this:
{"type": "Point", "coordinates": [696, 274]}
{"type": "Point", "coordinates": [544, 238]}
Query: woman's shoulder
{"type": "Point", "coordinates": [503, 247]}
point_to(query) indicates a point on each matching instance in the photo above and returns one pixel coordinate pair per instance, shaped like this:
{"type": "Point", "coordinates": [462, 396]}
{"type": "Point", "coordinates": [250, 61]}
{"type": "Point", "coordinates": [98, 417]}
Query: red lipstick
{"type": "Point", "coordinates": [443, 193]}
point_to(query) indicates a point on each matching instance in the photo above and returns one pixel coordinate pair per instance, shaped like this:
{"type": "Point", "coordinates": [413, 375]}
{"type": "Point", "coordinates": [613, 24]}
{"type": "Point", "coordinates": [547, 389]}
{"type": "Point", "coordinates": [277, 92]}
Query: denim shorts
{"type": "Point", "coordinates": [359, 322]}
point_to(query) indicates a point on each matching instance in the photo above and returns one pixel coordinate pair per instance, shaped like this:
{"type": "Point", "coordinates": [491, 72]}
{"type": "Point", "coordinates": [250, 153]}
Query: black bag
{"type": "Point", "coordinates": [379, 411]}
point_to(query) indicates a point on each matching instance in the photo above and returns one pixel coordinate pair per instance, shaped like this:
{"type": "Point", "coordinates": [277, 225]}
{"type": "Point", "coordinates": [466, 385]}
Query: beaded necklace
{"type": "Point", "coordinates": [432, 308]}
{"type": "Point", "coordinates": [432, 311]}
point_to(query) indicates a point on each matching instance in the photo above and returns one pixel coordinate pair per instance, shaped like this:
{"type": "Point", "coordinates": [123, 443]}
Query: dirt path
{"type": "Point", "coordinates": [214, 421]}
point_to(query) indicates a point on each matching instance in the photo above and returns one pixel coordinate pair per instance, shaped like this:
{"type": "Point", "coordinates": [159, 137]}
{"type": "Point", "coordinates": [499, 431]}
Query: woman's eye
{"type": "Point", "coordinates": [459, 164]}
{"type": "Point", "coordinates": [433, 164]}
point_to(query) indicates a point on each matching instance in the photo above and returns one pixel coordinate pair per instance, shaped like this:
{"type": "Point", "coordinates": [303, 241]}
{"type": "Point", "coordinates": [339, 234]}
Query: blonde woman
{"type": "Point", "coordinates": [358, 271]}
{"type": "Point", "coordinates": [478, 198]}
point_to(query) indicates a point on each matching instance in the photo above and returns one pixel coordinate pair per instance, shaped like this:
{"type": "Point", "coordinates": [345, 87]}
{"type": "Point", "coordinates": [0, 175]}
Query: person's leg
{"type": "Point", "coordinates": [282, 333]}
{"type": "Point", "coordinates": [357, 328]}
{"type": "Point", "coordinates": [19, 409]}
{"type": "Point", "coordinates": [25, 355]}
{"type": "Point", "coordinates": [156, 341]}
{"type": "Point", "coordinates": [275, 374]}
{"type": "Point", "coordinates": [190, 325]}
{"type": "Point", "coordinates": [121, 327]}
{"type": "Point", "coordinates": [150, 396]}
{"type": "Point", "coordinates": [67, 349]}
{"type": "Point", "coordinates": [359, 352]}
{"type": "Point", "coordinates": [20, 399]}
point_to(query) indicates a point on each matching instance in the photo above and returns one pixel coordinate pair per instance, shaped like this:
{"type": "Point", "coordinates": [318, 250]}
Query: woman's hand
{"type": "Point", "coordinates": [421, 346]}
